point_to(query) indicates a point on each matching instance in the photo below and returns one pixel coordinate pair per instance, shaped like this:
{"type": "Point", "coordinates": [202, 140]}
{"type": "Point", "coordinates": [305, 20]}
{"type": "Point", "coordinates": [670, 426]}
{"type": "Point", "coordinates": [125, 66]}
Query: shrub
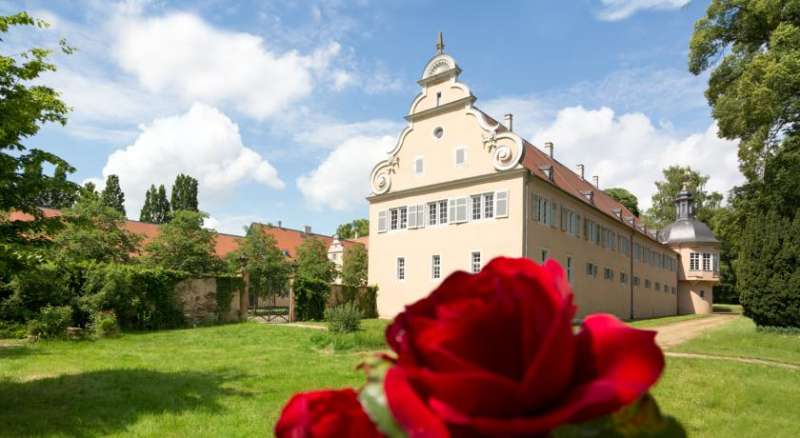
{"type": "Point", "coordinates": [12, 330]}
{"type": "Point", "coordinates": [226, 286]}
{"type": "Point", "coordinates": [104, 324]}
{"type": "Point", "coordinates": [310, 298]}
{"type": "Point", "coordinates": [141, 297]}
{"type": "Point", "coordinates": [345, 318]}
{"type": "Point", "coordinates": [52, 322]}
{"type": "Point", "coordinates": [33, 289]}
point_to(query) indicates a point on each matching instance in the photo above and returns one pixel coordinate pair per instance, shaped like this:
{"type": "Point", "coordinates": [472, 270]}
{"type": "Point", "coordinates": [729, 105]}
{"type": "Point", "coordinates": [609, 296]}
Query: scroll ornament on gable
{"type": "Point", "coordinates": [381, 178]}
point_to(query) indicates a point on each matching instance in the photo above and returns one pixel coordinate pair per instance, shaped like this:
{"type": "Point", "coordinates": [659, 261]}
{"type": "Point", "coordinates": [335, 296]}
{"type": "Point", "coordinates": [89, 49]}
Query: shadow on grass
{"type": "Point", "coordinates": [8, 352]}
{"type": "Point", "coordinates": [107, 401]}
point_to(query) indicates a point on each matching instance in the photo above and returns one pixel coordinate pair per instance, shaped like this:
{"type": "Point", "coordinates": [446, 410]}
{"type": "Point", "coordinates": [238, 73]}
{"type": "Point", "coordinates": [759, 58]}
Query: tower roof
{"type": "Point", "coordinates": [686, 229]}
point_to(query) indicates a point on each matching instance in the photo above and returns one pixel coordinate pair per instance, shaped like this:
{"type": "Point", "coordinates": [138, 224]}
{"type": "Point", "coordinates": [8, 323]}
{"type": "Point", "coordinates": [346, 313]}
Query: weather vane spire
{"type": "Point", "coordinates": [440, 44]}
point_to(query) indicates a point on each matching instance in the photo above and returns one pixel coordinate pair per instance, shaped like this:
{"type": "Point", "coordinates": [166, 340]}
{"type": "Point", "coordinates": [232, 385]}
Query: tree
{"type": "Point", "coordinates": [351, 230]}
{"type": "Point", "coordinates": [313, 262]}
{"type": "Point", "coordinates": [25, 105]}
{"type": "Point", "coordinates": [112, 195]}
{"type": "Point", "coordinates": [268, 268]}
{"type": "Point", "coordinates": [184, 193]}
{"type": "Point", "coordinates": [96, 232]}
{"type": "Point", "coordinates": [626, 198]}
{"type": "Point", "coordinates": [663, 212]}
{"type": "Point", "coordinates": [753, 50]}
{"type": "Point", "coordinates": [156, 206]}
{"type": "Point", "coordinates": [354, 269]}
{"type": "Point", "coordinates": [62, 194]}
{"type": "Point", "coordinates": [754, 90]}
{"type": "Point", "coordinates": [184, 245]}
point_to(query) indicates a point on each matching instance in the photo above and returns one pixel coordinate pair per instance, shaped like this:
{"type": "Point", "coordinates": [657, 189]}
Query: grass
{"type": "Point", "coordinates": [656, 322]}
{"type": "Point", "coordinates": [740, 338]}
{"type": "Point", "coordinates": [227, 380]}
{"type": "Point", "coordinates": [232, 380]}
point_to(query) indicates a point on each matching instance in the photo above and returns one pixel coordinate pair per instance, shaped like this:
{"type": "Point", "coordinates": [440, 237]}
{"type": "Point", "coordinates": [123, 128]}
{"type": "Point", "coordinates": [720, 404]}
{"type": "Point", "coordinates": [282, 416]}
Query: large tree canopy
{"type": "Point", "coordinates": [351, 230]}
{"type": "Point", "coordinates": [313, 262]}
{"type": "Point", "coordinates": [184, 245]}
{"type": "Point", "coordinates": [354, 266]}
{"type": "Point", "coordinates": [268, 268]}
{"type": "Point", "coordinates": [754, 90]}
{"type": "Point", "coordinates": [662, 212]}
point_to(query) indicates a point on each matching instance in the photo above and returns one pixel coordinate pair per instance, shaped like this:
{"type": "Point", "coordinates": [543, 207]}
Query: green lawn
{"type": "Point", "coordinates": [232, 381]}
{"type": "Point", "coordinates": [740, 338]}
{"type": "Point", "coordinates": [655, 322]}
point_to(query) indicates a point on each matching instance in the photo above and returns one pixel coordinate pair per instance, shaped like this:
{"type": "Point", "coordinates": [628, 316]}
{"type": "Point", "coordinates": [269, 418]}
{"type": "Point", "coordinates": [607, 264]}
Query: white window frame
{"type": "Point", "coordinates": [402, 222]}
{"type": "Point", "coordinates": [443, 213]}
{"type": "Point", "coordinates": [394, 219]}
{"type": "Point", "coordinates": [708, 262]}
{"type": "Point", "coordinates": [694, 261]}
{"type": "Point", "coordinates": [472, 262]}
{"type": "Point", "coordinates": [411, 216]}
{"type": "Point", "coordinates": [400, 268]}
{"type": "Point", "coordinates": [476, 206]}
{"type": "Point", "coordinates": [463, 149]}
{"type": "Point", "coordinates": [432, 213]}
{"type": "Point", "coordinates": [436, 266]}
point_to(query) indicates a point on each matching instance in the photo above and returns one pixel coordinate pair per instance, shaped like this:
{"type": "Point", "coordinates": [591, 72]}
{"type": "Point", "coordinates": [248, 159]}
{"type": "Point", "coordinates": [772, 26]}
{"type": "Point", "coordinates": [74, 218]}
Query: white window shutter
{"type": "Point", "coordinates": [412, 216]}
{"type": "Point", "coordinates": [461, 210]}
{"type": "Point", "coordinates": [501, 204]}
{"type": "Point", "coordinates": [421, 215]}
{"type": "Point", "coordinates": [534, 207]}
{"type": "Point", "coordinates": [451, 216]}
{"type": "Point", "coordinates": [382, 221]}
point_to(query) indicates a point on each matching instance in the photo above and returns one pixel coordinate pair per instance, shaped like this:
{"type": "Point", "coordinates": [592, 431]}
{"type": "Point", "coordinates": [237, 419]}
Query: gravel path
{"type": "Point", "coordinates": [673, 334]}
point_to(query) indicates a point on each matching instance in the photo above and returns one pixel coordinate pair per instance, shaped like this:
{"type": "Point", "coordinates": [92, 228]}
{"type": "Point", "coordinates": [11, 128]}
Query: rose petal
{"type": "Point", "coordinates": [471, 393]}
{"type": "Point", "coordinates": [325, 414]}
{"type": "Point", "coordinates": [408, 409]}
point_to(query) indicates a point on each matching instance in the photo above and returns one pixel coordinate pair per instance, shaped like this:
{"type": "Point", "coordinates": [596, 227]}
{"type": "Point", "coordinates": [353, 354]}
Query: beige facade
{"type": "Point", "coordinates": [459, 189]}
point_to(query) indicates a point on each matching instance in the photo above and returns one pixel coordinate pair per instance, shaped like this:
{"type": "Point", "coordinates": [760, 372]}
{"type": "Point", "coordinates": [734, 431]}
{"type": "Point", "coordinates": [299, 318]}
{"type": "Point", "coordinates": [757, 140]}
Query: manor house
{"type": "Point", "coordinates": [460, 188]}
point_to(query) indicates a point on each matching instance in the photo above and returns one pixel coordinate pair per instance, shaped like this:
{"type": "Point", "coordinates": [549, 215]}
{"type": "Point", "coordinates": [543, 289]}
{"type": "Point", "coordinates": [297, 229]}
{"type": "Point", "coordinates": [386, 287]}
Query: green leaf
{"type": "Point", "coordinates": [641, 419]}
{"type": "Point", "coordinates": [373, 397]}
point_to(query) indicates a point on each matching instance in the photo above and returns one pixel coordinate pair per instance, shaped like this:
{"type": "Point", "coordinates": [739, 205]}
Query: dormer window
{"type": "Point", "coordinates": [589, 196]}
{"type": "Point", "coordinates": [548, 172]}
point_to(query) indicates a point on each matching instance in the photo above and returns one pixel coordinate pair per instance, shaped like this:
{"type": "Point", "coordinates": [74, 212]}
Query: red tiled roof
{"type": "Point", "coordinates": [289, 239]}
{"type": "Point", "coordinates": [570, 182]}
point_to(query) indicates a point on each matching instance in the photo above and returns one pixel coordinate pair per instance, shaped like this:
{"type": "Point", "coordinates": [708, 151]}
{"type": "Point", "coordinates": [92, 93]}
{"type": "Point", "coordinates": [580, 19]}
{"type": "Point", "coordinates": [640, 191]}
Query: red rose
{"type": "Point", "coordinates": [495, 354]}
{"type": "Point", "coordinates": [325, 414]}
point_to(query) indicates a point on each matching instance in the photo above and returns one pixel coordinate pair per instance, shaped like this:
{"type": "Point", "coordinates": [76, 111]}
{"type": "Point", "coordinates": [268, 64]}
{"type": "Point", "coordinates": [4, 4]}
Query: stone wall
{"type": "Point", "coordinates": [198, 299]}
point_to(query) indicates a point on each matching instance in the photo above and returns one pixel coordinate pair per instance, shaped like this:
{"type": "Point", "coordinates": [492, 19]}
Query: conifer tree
{"type": "Point", "coordinates": [184, 193]}
{"type": "Point", "coordinates": [156, 206]}
{"type": "Point", "coordinates": [146, 215]}
{"type": "Point", "coordinates": [112, 195]}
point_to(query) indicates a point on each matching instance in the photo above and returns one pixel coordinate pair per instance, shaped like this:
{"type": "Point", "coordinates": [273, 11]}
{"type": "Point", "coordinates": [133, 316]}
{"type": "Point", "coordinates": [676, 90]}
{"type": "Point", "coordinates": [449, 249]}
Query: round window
{"type": "Point", "coordinates": [438, 132]}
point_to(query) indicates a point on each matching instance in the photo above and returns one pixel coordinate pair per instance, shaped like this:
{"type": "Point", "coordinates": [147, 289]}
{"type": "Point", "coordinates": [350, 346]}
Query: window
{"type": "Point", "coordinates": [702, 293]}
{"type": "Point", "coordinates": [647, 283]}
{"type": "Point", "coordinates": [416, 216]}
{"type": "Point", "coordinates": [569, 269]}
{"type": "Point", "coordinates": [438, 132]}
{"type": "Point", "coordinates": [552, 218]}
{"type": "Point", "coordinates": [488, 205]}
{"type": "Point", "coordinates": [461, 156]}
{"type": "Point", "coordinates": [658, 286]}
{"type": "Point", "coordinates": [541, 210]}
{"type": "Point", "coordinates": [458, 210]}
{"type": "Point", "coordinates": [475, 261]}
{"type": "Point", "coordinates": [401, 268]}
{"type": "Point", "coordinates": [433, 214]}
{"type": "Point", "coordinates": [608, 274]}
{"type": "Point", "coordinates": [623, 277]}
{"type": "Point", "coordinates": [436, 266]}
{"type": "Point", "coordinates": [438, 98]}
{"type": "Point", "coordinates": [707, 262]}
{"type": "Point", "coordinates": [418, 166]}
{"type": "Point", "coordinates": [591, 269]}
{"type": "Point", "coordinates": [543, 255]}
{"type": "Point", "coordinates": [403, 218]}
{"type": "Point", "coordinates": [394, 218]}
{"type": "Point", "coordinates": [716, 263]}
{"type": "Point", "coordinates": [382, 221]}
{"type": "Point", "coordinates": [476, 207]}
{"type": "Point", "coordinates": [501, 204]}
{"type": "Point", "coordinates": [443, 212]}
{"type": "Point", "coordinates": [635, 280]}
{"type": "Point", "coordinates": [694, 261]}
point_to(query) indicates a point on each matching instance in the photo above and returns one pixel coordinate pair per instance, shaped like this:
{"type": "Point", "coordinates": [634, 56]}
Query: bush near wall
{"type": "Point", "coordinates": [227, 286]}
{"type": "Point", "coordinates": [365, 298]}
{"type": "Point", "coordinates": [143, 298]}
{"type": "Point", "coordinates": [311, 297]}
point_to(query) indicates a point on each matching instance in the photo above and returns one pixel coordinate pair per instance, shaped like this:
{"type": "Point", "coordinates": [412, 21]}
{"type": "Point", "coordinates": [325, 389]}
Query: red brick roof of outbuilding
{"type": "Point", "coordinates": [570, 182]}
{"type": "Point", "coordinates": [289, 239]}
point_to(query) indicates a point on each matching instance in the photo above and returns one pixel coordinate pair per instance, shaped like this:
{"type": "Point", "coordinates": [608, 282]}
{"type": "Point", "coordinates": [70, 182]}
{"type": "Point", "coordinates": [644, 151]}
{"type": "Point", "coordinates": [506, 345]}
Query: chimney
{"type": "Point", "coordinates": [510, 121]}
{"type": "Point", "coordinates": [596, 181]}
{"type": "Point", "coordinates": [581, 168]}
{"type": "Point", "coordinates": [307, 229]}
{"type": "Point", "coordinates": [549, 146]}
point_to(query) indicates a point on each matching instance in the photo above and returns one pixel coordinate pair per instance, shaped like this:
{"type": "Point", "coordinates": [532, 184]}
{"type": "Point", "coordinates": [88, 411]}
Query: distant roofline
{"type": "Point", "coordinates": [303, 232]}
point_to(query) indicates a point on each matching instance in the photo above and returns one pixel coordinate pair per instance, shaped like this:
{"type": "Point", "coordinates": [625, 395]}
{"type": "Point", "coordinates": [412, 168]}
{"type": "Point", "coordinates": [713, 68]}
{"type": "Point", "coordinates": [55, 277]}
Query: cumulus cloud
{"type": "Point", "coordinates": [614, 10]}
{"type": "Point", "coordinates": [331, 135]}
{"type": "Point", "coordinates": [202, 142]}
{"type": "Point", "coordinates": [628, 150]}
{"type": "Point", "coordinates": [180, 53]}
{"type": "Point", "coordinates": [341, 181]}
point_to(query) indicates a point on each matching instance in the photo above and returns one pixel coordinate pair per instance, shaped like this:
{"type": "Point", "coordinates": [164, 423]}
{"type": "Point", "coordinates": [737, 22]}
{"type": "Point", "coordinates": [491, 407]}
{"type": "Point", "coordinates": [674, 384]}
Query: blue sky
{"type": "Point", "coordinates": [281, 108]}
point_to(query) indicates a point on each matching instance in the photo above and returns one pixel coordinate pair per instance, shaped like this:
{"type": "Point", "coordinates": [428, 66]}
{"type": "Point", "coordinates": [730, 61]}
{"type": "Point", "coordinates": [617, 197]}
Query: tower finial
{"type": "Point", "coordinates": [440, 44]}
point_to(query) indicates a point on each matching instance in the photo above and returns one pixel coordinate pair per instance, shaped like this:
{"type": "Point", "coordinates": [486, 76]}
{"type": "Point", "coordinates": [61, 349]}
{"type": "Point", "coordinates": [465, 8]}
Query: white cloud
{"type": "Point", "coordinates": [332, 134]}
{"type": "Point", "coordinates": [202, 142]}
{"type": "Point", "coordinates": [235, 224]}
{"type": "Point", "coordinates": [614, 10]}
{"type": "Point", "coordinates": [629, 151]}
{"type": "Point", "coordinates": [341, 181]}
{"type": "Point", "coordinates": [180, 53]}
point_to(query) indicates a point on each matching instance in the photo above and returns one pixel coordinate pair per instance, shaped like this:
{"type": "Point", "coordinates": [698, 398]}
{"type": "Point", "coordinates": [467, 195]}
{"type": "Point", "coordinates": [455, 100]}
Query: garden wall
{"type": "Point", "coordinates": [198, 298]}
